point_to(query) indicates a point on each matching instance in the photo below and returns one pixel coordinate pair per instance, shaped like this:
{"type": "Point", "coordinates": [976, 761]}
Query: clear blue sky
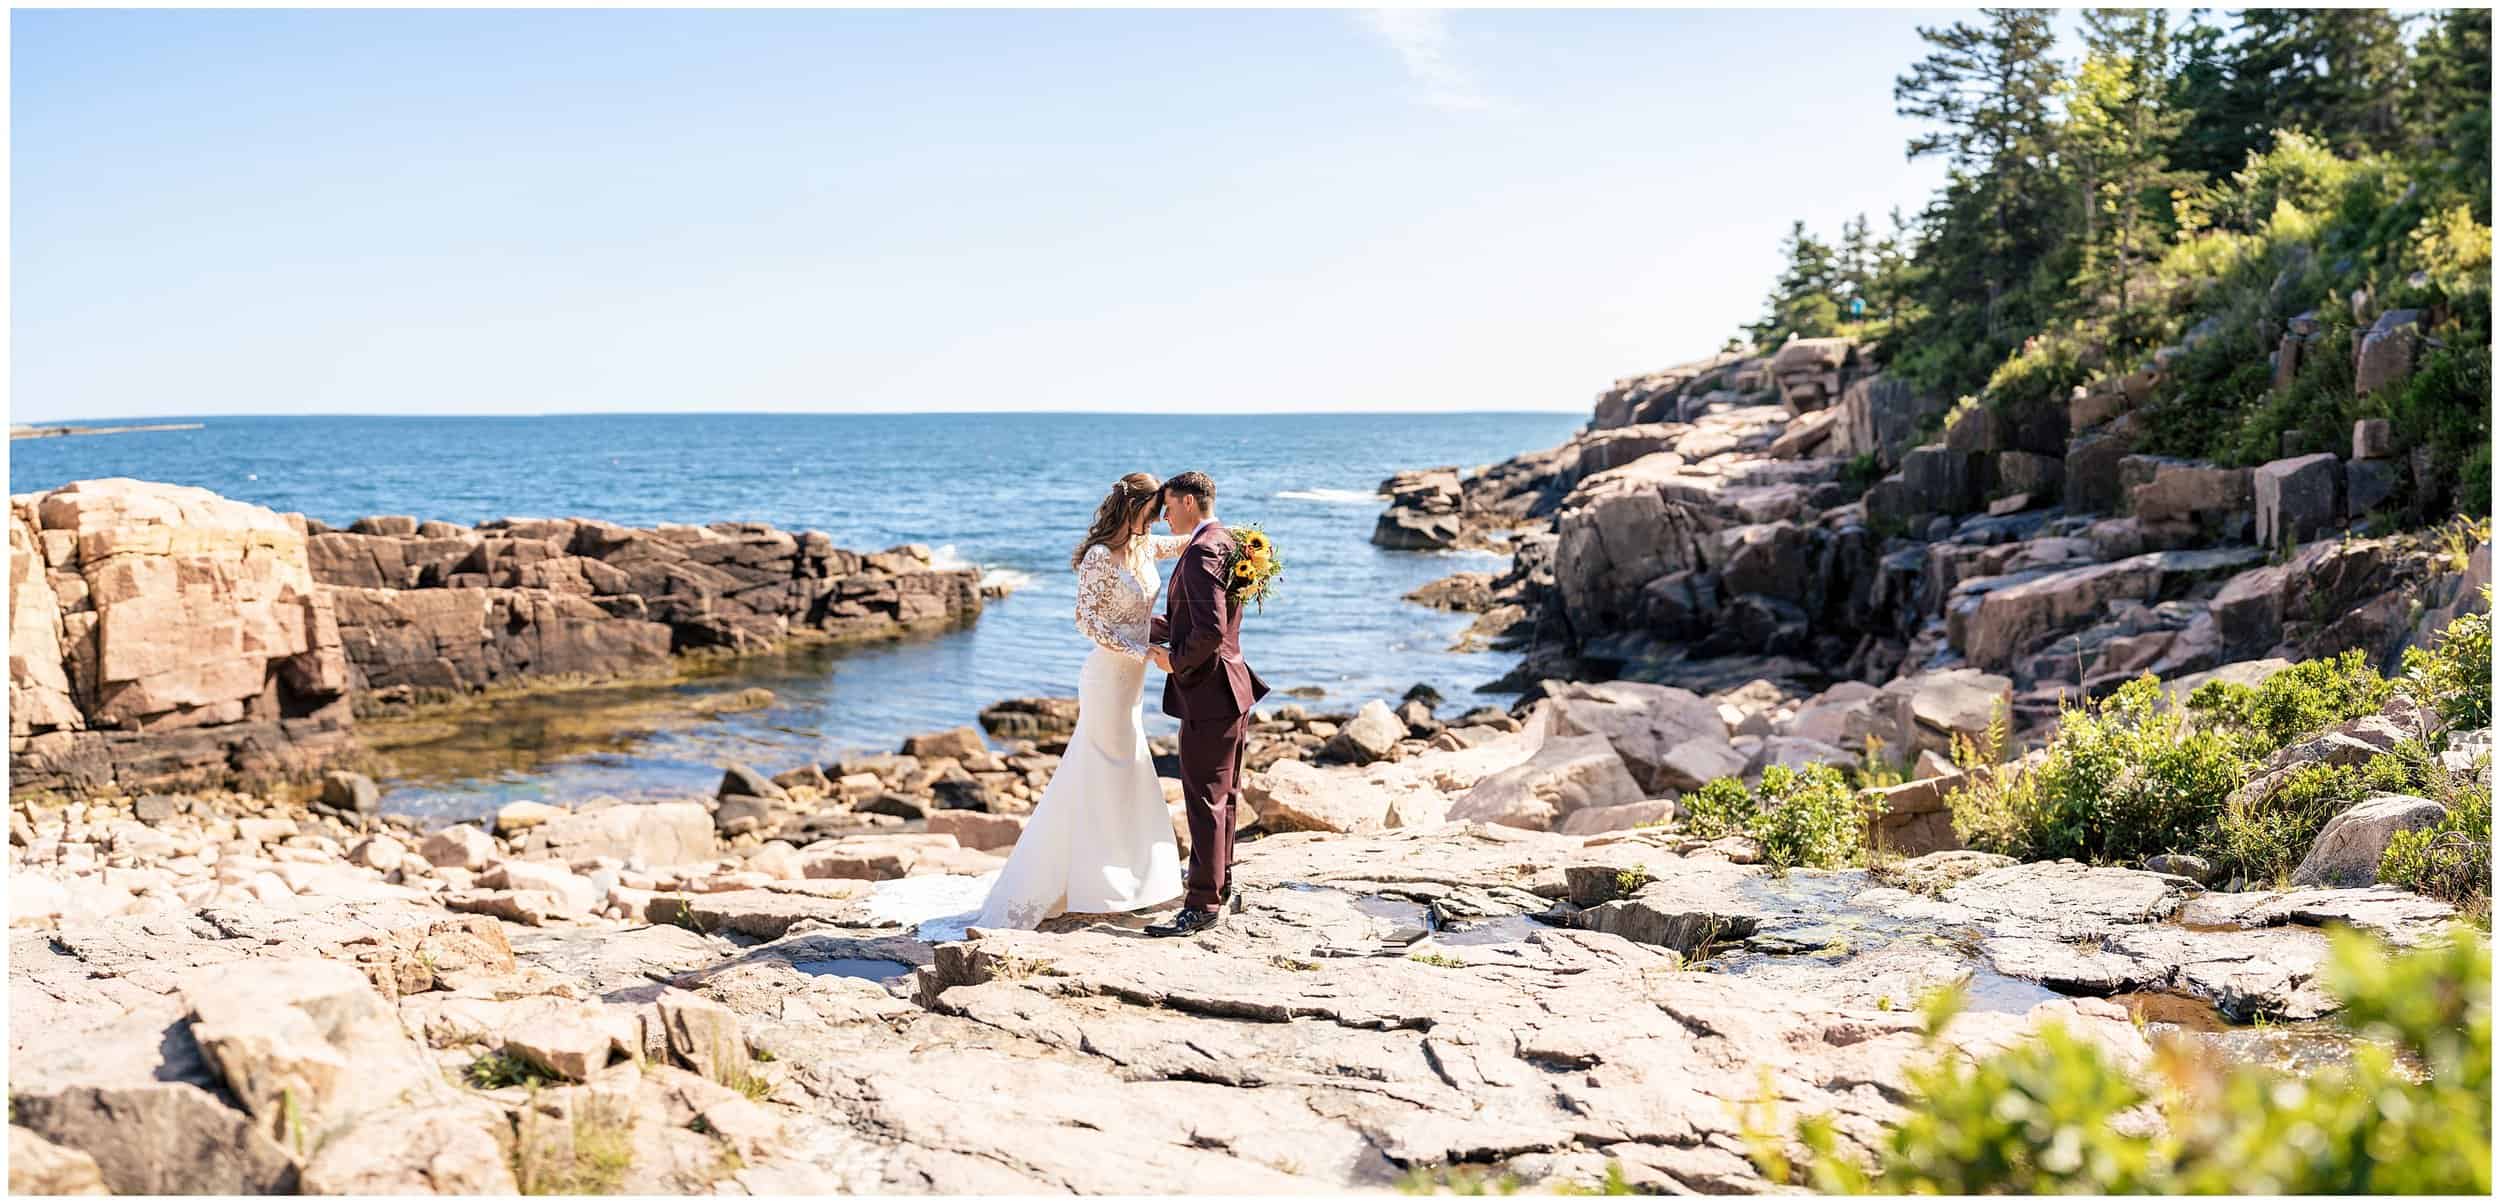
{"type": "Point", "coordinates": [482, 212]}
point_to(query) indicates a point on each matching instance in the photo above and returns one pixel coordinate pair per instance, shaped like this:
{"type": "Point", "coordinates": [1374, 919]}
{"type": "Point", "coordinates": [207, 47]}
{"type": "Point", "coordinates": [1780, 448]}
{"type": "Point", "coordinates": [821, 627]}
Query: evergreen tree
{"type": "Point", "coordinates": [1804, 302]}
{"type": "Point", "coordinates": [2119, 121]}
{"type": "Point", "coordinates": [1895, 265]}
{"type": "Point", "coordinates": [1988, 88]}
{"type": "Point", "coordinates": [1855, 269]}
{"type": "Point", "coordinates": [2223, 121]}
{"type": "Point", "coordinates": [2448, 112]}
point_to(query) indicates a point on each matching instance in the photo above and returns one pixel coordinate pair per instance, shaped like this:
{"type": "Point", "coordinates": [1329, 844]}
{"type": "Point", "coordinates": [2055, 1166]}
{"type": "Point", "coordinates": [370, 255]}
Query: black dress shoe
{"type": "Point", "coordinates": [1189, 921]}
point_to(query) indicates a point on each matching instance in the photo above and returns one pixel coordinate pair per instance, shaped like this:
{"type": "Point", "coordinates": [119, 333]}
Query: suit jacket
{"type": "Point", "coordinates": [1202, 623]}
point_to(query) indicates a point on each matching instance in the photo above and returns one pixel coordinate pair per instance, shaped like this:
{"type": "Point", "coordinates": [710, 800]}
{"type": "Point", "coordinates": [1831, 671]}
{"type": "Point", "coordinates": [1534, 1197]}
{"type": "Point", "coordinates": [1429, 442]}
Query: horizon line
{"type": "Point", "coordinates": [14, 421]}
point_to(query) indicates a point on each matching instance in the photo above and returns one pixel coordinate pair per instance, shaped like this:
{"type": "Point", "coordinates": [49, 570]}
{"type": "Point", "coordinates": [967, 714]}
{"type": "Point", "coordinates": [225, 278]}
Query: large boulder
{"type": "Point", "coordinates": [2184, 491]}
{"type": "Point", "coordinates": [1569, 774]}
{"type": "Point", "coordinates": [1368, 736]}
{"type": "Point", "coordinates": [2298, 499]}
{"type": "Point", "coordinates": [1993, 620]}
{"type": "Point", "coordinates": [40, 1168]}
{"type": "Point", "coordinates": [2384, 358]}
{"type": "Point", "coordinates": [2255, 610]}
{"type": "Point", "coordinates": [653, 834]}
{"type": "Point", "coordinates": [1880, 416]}
{"type": "Point", "coordinates": [137, 607]}
{"type": "Point", "coordinates": [306, 1046]}
{"type": "Point", "coordinates": [1048, 722]}
{"type": "Point", "coordinates": [434, 1150]}
{"type": "Point", "coordinates": [1664, 735]}
{"type": "Point", "coordinates": [1809, 372]}
{"type": "Point", "coordinates": [1925, 712]}
{"type": "Point", "coordinates": [2347, 851]}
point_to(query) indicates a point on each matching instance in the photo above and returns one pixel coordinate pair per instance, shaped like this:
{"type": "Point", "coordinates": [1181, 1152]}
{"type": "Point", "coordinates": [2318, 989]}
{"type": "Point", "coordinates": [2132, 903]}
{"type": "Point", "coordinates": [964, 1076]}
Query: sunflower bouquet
{"type": "Point", "coordinates": [1253, 569]}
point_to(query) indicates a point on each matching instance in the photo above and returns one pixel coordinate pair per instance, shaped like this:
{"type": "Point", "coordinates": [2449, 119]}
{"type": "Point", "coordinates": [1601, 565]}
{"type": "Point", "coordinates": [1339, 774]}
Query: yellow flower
{"type": "Point", "coordinates": [1243, 570]}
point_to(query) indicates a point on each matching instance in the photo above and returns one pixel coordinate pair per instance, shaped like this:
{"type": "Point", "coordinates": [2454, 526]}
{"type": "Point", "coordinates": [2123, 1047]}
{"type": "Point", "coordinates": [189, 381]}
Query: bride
{"type": "Point", "coordinates": [1101, 838]}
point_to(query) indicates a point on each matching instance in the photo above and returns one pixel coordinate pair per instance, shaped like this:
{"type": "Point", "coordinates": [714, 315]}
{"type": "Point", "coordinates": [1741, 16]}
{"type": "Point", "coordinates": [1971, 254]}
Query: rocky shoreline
{"type": "Point", "coordinates": [1800, 519]}
{"type": "Point", "coordinates": [164, 637]}
{"type": "Point", "coordinates": [1470, 940]}
{"type": "Point", "coordinates": [230, 994]}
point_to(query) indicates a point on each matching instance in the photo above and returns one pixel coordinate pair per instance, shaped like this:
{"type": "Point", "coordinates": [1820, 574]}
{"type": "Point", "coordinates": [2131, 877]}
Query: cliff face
{"type": "Point", "coordinates": [162, 635]}
{"type": "Point", "coordinates": [158, 631]}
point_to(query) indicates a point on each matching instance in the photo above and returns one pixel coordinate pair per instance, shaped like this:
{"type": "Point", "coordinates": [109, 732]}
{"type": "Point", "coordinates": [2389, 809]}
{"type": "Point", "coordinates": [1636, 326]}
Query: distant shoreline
{"type": "Point", "coordinates": [402, 414]}
{"type": "Point", "coordinates": [22, 431]}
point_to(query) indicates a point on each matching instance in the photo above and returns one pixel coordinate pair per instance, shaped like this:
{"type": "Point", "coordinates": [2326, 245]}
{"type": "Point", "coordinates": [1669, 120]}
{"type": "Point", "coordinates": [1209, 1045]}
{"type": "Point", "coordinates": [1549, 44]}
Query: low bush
{"type": "Point", "coordinates": [1808, 817]}
{"type": "Point", "coordinates": [2450, 860]}
{"type": "Point", "coordinates": [1811, 817]}
{"type": "Point", "coordinates": [2291, 704]}
{"type": "Point", "coordinates": [2411, 1113]}
{"type": "Point", "coordinates": [2128, 778]}
{"type": "Point", "coordinates": [2453, 676]}
{"type": "Point", "coordinates": [2264, 838]}
{"type": "Point", "coordinates": [1720, 808]}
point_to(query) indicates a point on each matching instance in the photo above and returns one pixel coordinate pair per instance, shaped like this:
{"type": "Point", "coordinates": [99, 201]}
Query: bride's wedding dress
{"type": "Point", "coordinates": [1101, 838]}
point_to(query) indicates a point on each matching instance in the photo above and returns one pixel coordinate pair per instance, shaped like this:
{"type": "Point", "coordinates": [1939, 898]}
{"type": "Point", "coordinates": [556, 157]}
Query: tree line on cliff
{"type": "Point", "coordinates": [2202, 185]}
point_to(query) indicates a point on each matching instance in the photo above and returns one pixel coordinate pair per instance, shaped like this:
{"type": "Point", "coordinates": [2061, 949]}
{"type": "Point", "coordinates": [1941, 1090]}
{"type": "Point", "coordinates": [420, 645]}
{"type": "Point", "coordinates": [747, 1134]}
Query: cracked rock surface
{"type": "Point", "coordinates": [1540, 1003]}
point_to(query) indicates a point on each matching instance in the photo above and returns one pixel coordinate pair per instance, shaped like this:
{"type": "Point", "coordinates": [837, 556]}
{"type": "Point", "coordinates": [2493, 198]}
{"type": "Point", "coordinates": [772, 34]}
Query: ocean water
{"type": "Point", "coordinates": [1010, 493]}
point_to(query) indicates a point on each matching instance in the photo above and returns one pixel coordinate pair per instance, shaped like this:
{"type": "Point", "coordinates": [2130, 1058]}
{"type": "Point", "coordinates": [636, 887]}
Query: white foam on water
{"type": "Point", "coordinates": [936, 907]}
{"type": "Point", "coordinates": [944, 556]}
{"type": "Point", "coordinates": [1005, 581]}
{"type": "Point", "coordinates": [1334, 497]}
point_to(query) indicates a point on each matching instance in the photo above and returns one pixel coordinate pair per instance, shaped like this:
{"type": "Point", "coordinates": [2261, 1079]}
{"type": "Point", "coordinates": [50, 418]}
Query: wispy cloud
{"type": "Point", "coordinates": [1421, 38]}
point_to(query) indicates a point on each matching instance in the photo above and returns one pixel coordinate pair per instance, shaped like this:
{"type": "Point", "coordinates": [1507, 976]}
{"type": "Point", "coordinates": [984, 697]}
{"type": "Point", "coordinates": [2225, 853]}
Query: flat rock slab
{"type": "Point", "coordinates": [609, 961]}
{"type": "Point", "coordinates": [2387, 912]}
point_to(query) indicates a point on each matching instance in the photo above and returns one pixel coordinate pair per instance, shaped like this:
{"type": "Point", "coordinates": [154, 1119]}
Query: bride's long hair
{"type": "Point", "coordinates": [1116, 517]}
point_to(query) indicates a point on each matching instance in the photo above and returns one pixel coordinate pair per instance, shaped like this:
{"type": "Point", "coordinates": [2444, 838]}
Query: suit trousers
{"type": "Point", "coordinates": [1211, 752]}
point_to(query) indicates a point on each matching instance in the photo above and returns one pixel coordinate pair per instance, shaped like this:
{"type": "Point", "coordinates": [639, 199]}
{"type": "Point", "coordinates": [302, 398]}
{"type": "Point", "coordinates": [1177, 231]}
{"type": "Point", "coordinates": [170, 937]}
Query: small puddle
{"type": "Point", "coordinates": [869, 968]}
{"type": "Point", "coordinates": [1500, 930]}
{"type": "Point", "coordinates": [1399, 911]}
{"type": "Point", "coordinates": [2296, 1047]}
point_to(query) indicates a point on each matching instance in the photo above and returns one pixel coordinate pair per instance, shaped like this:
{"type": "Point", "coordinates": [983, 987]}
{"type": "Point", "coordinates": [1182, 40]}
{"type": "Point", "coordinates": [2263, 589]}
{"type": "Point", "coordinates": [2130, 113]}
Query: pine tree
{"type": "Point", "coordinates": [2119, 121]}
{"type": "Point", "coordinates": [1803, 302]}
{"type": "Point", "coordinates": [1988, 89]}
{"type": "Point", "coordinates": [2223, 120]}
{"type": "Point", "coordinates": [1855, 269]}
{"type": "Point", "coordinates": [2448, 112]}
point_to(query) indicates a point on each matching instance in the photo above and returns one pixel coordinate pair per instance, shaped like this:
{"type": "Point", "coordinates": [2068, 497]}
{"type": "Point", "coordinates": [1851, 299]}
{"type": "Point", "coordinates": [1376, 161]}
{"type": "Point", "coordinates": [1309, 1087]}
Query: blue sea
{"type": "Point", "coordinates": [1009, 493]}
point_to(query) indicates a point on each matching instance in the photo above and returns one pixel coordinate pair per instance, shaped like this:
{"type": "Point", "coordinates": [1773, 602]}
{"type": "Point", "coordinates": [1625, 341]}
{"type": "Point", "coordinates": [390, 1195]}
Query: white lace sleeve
{"type": "Point", "coordinates": [1097, 595]}
{"type": "Point", "coordinates": [1168, 546]}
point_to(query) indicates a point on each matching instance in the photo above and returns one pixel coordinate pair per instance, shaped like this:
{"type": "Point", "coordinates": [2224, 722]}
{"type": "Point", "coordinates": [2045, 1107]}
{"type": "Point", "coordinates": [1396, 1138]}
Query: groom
{"type": "Point", "coordinates": [1210, 689]}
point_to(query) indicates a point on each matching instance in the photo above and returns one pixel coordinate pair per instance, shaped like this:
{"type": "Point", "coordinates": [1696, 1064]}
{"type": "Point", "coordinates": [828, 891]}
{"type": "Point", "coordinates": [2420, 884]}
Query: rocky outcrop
{"type": "Point", "coordinates": [451, 608]}
{"type": "Point", "coordinates": [162, 635]}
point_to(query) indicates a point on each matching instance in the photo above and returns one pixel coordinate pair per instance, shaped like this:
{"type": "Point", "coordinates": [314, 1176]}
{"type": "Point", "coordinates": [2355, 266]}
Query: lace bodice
{"type": "Point", "coordinates": [1115, 595]}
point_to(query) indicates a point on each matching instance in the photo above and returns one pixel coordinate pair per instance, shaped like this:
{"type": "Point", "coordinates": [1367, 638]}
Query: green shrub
{"type": "Point", "coordinates": [1996, 809]}
{"type": "Point", "coordinates": [2292, 704]}
{"type": "Point", "coordinates": [2127, 779]}
{"type": "Point", "coordinates": [1811, 817]}
{"type": "Point", "coordinates": [2450, 860]}
{"type": "Point", "coordinates": [2264, 839]}
{"type": "Point", "coordinates": [2045, 1116]}
{"type": "Point", "coordinates": [2453, 676]}
{"type": "Point", "coordinates": [1720, 808]}
{"type": "Point", "coordinates": [1860, 473]}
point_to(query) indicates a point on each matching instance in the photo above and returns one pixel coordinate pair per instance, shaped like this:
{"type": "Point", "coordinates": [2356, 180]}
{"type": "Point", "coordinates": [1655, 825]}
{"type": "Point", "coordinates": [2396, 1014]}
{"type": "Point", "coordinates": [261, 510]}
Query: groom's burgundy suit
{"type": "Point", "coordinates": [1210, 690]}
